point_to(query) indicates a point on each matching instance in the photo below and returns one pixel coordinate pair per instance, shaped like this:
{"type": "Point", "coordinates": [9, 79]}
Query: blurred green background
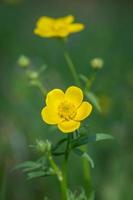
{"type": "Point", "coordinates": [108, 35]}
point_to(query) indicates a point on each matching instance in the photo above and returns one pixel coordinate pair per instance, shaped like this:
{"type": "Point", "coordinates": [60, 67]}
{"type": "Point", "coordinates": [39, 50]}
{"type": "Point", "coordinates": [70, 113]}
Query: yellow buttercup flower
{"type": "Point", "coordinates": [66, 110]}
{"type": "Point", "coordinates": [61, 27]}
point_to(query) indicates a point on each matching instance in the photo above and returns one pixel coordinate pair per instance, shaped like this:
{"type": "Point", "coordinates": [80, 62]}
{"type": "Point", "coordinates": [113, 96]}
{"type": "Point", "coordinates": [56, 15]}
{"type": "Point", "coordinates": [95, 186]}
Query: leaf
{"type": "Point", "coordinates": [35, 174]}
{"type": "Point", "coordinates": [41, 173]}
{"type": "Point", "coordinates": [31, 166]}
{"type": "Point", "coordinates": [84, 155]}
{"type": "Point", "coordinates": [27, 164]}
{"type": "Point", "coordinates": [90, 138]}
{"type": "Point", "coordinates": [103, 136]}
{"type": "Point", "coordinates": [94, 100]}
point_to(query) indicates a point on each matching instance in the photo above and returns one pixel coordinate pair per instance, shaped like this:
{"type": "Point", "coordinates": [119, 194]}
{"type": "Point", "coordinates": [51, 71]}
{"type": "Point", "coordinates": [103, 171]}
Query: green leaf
{"type": "Point", "coordinates": [103, 136]}
{"type": "Point", "coordinates": [41, 173]}
{"type": "Point", "coordinates": [90, 138]}
{"type": "Point", "coordinates": [94, 100]}
{"type": "Point", "coordinates": [84, 155]}
{"type": "Point", "coordinates": [27, 164]}
{"type": "Point", "coordinates": [35, 174]}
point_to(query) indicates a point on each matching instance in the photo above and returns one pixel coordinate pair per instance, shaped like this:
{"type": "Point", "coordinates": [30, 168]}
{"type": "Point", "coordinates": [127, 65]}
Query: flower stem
{"type": "Point", "coordinates": [72, 67]}
{"type": "Point", "coordinates": [70, 64]}
{"type": "Point", "coordinates": [87, 175]}
{"type": "Point", "coordinates": [61, 177]}
{"type": "Point", "coordinates": [64, 180]}
{"type": "Point", "coordinates": [38, 83]}
{"type": "Point", "coordinates": [42, 89]}
{"type": "Point", "coordinates": [64, 167]}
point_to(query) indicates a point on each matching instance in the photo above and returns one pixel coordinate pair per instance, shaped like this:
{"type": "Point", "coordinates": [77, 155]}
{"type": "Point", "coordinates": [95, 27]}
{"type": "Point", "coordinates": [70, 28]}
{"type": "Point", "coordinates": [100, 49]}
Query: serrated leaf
{"type": "Point", "coordinates": [85, 155]}
{"type": "Point", "coordinates": [94, 100]}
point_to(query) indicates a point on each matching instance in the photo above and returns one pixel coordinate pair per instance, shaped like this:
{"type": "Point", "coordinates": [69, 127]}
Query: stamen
{"type": "Point", "coordinates": [67, 110]}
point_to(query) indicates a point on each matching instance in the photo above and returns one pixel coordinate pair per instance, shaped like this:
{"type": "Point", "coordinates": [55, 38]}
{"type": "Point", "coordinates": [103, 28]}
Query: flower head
{"type": "Point", "coordinates": [66, 110]}
{"type": "Point", "coordinates": [61, 27]}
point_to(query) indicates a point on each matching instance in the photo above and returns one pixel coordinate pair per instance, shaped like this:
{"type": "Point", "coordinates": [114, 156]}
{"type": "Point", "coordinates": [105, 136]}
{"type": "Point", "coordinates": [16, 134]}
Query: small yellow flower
{"type": "Point", "coordinates": [61, 27]}
{"type": "Point", "coordinates": [66, 110]}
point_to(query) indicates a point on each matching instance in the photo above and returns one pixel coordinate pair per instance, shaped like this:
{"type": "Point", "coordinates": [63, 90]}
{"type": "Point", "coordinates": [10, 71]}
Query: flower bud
{"type": "Point", "coordinates": [23, 61]}
{"type": "Point", "coordinates": [97, 63]}
{"type": "Point", "coordinates": [43, 146]}
{"type": "Point", "coordinates": [32, 74]}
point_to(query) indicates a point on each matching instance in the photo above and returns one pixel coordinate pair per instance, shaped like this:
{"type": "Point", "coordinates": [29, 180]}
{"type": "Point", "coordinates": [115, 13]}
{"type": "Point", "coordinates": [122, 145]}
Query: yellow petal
{"type": "Point", "coordinates": [54, 97]}
{"type": "Point", "coordinates": [50, 116]}
{"type": "Point", "coordinates": [76, 27]}
{"type": "Point", "coordinates": [44, 22]}
{"type": "Point", "coordinates": [44, 32]}
{"type": "Point", "coordinates": [68, 19]}
{"type": "Point", "coordinates": [63, 33]}
{"type": "Point", "coordinates": [44, 27]}
{"type": "Point", "coordinates": [74, 95]}
{"type": "Point", "coordinates": [68, 126]}
{"type": "Point", "coordinates": [83, 111]}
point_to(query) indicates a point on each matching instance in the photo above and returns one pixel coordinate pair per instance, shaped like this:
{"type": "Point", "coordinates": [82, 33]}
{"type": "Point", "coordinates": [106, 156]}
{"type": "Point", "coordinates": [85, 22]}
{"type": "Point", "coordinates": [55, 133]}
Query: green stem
{"type": "Point", "coordinates": [42, 89]}
{"type": "Point", "coordinates": [55, 167]}
{"type": "Point", "coordinates": [64, 180]}
{"type": "Point", "coordinates": [72, 67]}
{"type": "Point", "coordinates": [64, 167]}
{"type": "Point", "coordinates": [38, 84]}
{"type": "Point", "coordinates": [71, 64]}
{"type": "Point", "coordinates": [61, 177]}
{"type": "Point", "coordinates": [91, 80]}
{"type": "Point", "coordinates": [86, 172]}
{"type": "Point", "coordinates": [87, 175]}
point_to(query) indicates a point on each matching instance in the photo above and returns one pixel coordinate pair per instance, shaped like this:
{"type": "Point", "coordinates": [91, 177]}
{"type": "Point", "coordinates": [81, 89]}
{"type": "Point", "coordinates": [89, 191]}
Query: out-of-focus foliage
{"type": "Point", "coordinates": [108, 35]}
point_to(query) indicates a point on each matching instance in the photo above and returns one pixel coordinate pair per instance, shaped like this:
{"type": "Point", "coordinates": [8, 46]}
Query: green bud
{"type": "Point", "coordinates": [43, 146]}
{"type": "Point", "coordinates": [23, 61]}
{"type": "Point", "coordinates": [97, 63]}
{"type": "Point", "coordinates": [32, 74]}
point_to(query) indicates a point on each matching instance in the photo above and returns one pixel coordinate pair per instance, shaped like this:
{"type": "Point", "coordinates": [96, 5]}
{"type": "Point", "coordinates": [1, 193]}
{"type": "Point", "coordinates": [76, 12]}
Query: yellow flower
{"type": "Point", "coordinates": [66, 110]}
{"type": "Point", "coordinates": [61, 27]}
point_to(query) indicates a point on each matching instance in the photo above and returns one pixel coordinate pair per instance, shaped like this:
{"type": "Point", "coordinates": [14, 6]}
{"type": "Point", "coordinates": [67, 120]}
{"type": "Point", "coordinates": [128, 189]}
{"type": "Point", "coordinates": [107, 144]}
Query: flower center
{"type": "Point", "coordinates": [66, 110]}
